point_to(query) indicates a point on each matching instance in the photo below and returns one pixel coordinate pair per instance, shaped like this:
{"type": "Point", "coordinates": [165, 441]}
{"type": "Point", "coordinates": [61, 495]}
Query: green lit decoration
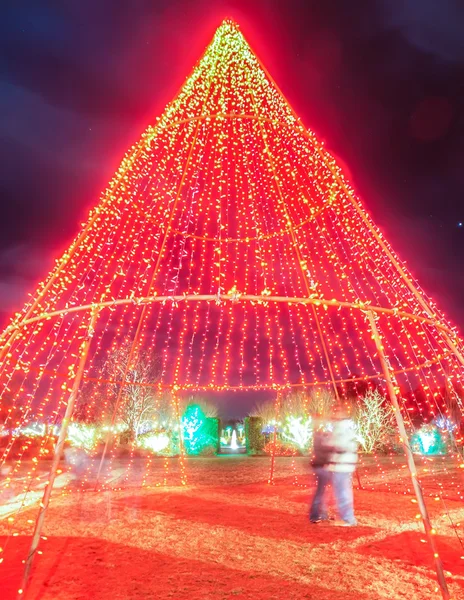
{"type": "Point", "coordinates": [199, 432]}
{"type": "Point", "coordinates": [428, 441]}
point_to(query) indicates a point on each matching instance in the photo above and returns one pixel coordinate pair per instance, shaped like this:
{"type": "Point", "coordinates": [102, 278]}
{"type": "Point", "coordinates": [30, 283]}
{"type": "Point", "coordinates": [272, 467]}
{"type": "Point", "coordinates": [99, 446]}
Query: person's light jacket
{"type": "Point", "coordinates": [344, 455]}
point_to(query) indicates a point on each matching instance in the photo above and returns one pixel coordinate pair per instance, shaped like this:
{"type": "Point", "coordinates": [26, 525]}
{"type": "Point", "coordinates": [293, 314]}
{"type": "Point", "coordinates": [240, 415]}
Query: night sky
{"type": "Point", "coordinates": [381, 81]}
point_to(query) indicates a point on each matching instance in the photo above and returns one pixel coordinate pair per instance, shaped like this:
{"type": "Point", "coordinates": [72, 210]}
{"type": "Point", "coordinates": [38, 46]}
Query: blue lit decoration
{"type": "Point", "coordinates": [269, 428]}
{"type": "Point", "coordinates": [445, 424]}
{"type": "Point", "coordinates": [428, 441]}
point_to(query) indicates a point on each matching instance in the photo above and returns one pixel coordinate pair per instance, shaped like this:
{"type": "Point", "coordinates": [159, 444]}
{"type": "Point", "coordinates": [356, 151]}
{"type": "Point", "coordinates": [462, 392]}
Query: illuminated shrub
{"type": "Point", "coordinates": [254, 437]}
{"type": "Point", "coordinates": [198, 431]}
{"type": "Point", "coordinates": [298, 432]}
{"type": "Point", "coordinates": [83, 435]}
{"type": "Point", "coordinates": [157, 443]}
{"type": "Point", "coordinates": [373, 417]}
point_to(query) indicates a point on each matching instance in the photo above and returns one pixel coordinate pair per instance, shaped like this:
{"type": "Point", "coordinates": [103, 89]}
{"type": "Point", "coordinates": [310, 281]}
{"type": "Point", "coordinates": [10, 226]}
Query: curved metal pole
{"type": "Point", "coordinates": [409, 457]}
{"type": "Point", "coordinates": [57, 456]}
{"type": "Point", "coordinates": [237, 298]}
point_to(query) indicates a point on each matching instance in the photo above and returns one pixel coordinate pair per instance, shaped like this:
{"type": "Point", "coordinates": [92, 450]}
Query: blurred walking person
{"type": "Point", "coordinates": [342, 465]}
{"type": "Point", "coordinates": [320, 463]}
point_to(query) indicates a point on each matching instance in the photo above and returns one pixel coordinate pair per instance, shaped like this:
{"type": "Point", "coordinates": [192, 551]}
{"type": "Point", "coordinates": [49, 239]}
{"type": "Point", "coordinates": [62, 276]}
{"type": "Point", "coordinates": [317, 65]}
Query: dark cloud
{"type": "Point", "coordinates": [21, 265]}
{"type": "Point", "coordinates": [432, 27]}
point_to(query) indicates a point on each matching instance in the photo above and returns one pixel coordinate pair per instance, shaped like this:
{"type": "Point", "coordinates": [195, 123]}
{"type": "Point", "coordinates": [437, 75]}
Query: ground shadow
{"type": "Point", "coordinates": [258, 521]}
{"type": "Point", "coordinates": [411, 547]}
{"type": "Point", "coordinates": [87, 568]}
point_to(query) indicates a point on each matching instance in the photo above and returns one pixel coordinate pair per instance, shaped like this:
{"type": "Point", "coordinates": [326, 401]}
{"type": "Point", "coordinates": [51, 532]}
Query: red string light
{"type": "Point", "coordinates": [227, 198]}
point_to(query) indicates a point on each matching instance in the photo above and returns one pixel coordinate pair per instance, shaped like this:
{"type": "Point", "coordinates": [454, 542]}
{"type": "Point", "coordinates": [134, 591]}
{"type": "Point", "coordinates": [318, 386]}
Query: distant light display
{"type": "Point", "coordinates": [428, 441]}
{"type": "Point", "coordinates": [298, 431]}
{"type": "Point", "coordinates": [156, 442]}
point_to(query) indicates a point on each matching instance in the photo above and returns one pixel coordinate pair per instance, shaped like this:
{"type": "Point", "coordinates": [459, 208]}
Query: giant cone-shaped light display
{"type": "Point", "coordinates": [228, 252]}
{"type": "Point", "coordinates": [230, 247]}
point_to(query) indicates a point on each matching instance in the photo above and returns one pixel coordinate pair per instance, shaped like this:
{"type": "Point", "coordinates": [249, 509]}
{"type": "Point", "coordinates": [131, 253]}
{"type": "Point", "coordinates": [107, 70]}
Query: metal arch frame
{"type": "Point", "coordinates": [366, 308]}
{"type": "Point", "coordinates": [233, 298]}
{"type": "Point", "coordinates": [237, 298]}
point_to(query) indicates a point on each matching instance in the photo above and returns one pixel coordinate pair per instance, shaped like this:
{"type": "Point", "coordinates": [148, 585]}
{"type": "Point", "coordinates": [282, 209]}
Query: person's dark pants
{"type": "Point", "coordinates": [318, 509]}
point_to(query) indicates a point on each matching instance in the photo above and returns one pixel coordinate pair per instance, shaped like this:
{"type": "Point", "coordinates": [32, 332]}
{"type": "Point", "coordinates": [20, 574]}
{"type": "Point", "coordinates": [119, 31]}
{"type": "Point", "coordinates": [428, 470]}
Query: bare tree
{"type": "Point", "coordinates": [294, 405]}
{"type": "Point", "coordinates": [129, 391]}
{"type": "Point", "coordinates": [321, 403]}
{"type": "Point", "coordinates": [374, 421]}
{"type": "Point", "coordinates": [317, 403]}
{"type": "Point", "coordinates": [266, 410]}
{"type": "Point", "coordinates": [209, 408]}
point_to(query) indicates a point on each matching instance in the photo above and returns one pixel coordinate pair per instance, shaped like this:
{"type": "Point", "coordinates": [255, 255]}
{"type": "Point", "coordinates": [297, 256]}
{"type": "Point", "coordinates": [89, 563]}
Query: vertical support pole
{"type": "Point", "coordinates": [57, 454]}
{"type": "Point", "coordinates": [274, 441]}
{"type": "Point", "coordinates": [409, 457]}
{"type": "Point", "coordinates": [183, 472]}
{"type": "Point", "coordinates": [326, 353]}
